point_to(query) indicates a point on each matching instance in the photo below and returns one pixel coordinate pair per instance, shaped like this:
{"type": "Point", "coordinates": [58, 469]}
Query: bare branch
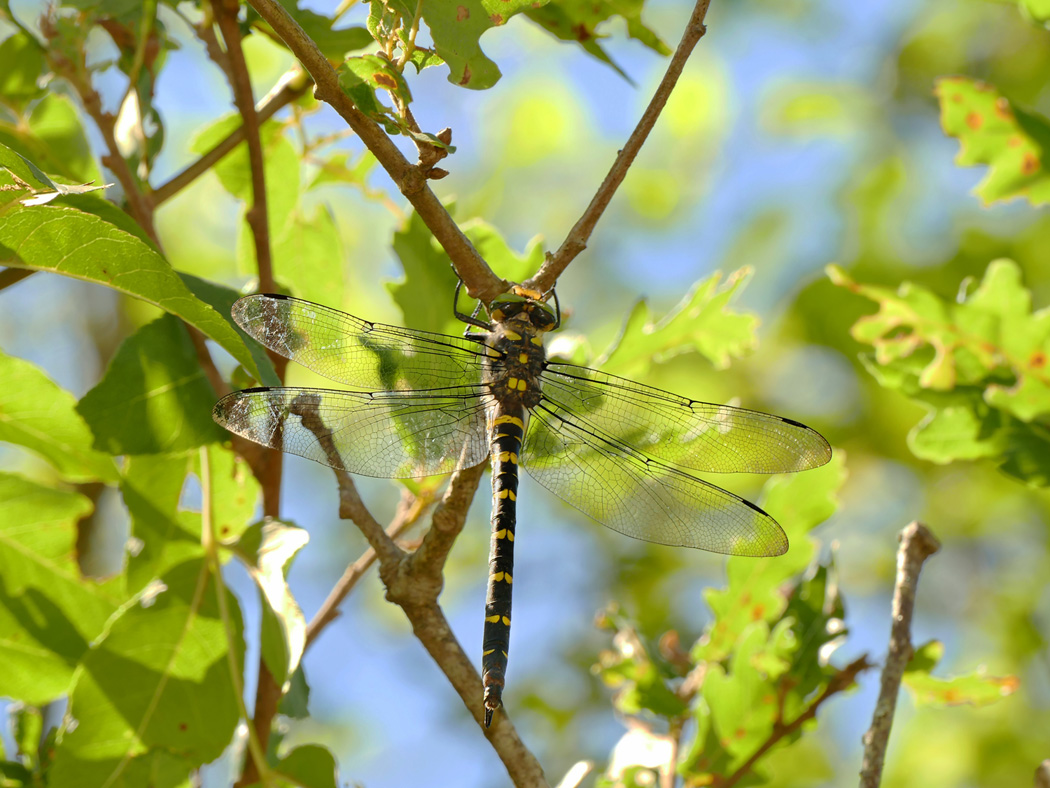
{"type": "Point", "coordinates": [240, 83]}
{"type": "Point", "coordinates": [294, 86]}
{"type": "Point", "coordinates": [576, 241]}
{"type": "Point", "coordinates": [479, 279]}
{"type": "Point", "coordinates": [917, 544]}
{"type": "Point", "coordinates": [840, 682]}
{"type": "Point", "coordinates": [139, 205]}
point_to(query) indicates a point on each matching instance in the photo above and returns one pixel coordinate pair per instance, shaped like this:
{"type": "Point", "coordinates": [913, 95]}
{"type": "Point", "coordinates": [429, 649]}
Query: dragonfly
{"type": "Point", "coordinates": [424, 403]}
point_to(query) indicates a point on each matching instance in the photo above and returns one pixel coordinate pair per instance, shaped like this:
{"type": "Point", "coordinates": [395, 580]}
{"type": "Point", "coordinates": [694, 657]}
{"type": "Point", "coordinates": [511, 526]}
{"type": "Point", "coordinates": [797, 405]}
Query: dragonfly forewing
{"type": "Point", "coordinates": [349, 350]}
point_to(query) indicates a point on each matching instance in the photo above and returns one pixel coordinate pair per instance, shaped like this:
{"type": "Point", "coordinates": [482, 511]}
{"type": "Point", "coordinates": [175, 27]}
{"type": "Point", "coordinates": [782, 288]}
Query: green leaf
{"type": "Point", "coordinates": [578, 20]}
{"type": "Point", "coordinates": [221, 300]}
{"type": "Point", "coordinates": [493, 248]}
{"type": "Point", "coordinates": [267, 550]}
{"type": "Point", "coordinates": [338, 168]}
{"type": "Point", "coordinates": [456, 27]}
{"type": "Point", "coordinates": [361, 76]}
{"type": "Point", "coordinates": [1039, 10]}
{"type": "Point", "coordinates": [37, 414]}
{"type": "Point", "coordinates": [76, 244]}
{"type": "Point", "coordinates": [154, 397]}
{"type": "Point", "coordinates": [55, 140]}
{"type": "Point", "coordinates": [308, 256]}
{"type": "Point", "coordinates": [158, 685]}
{"type": "Point", "coordinates": [21, 65]}
{"type": "Point", "coordinates": [799, 502]}
{"type": "Point", "coordinates": [23, 169]}
{"type": "Point", "coordinates": [701, 322]}
{"type": "Point", "coordinates": [296, 700]}
{"type": "Point", "coordinates": [978, 364]}
{"type": "Point", "coordinates": [49, 614]}
{"type": "Point", "coordinates": [27, 724]}
{"type": "Point", "coordinates": [429, 276]}
{"type": "Point", "coordinates": [334, 44]}
{"type": "Point", "coordinates": [308, 766]}
{"type": "Point", "coordinates": [640, 682]}
{"type": "Point", "coordinates": [162, 536]}
{"type": "Point", "coordinates": [743, 700]}
{"type": "Point", "coordinates": [280, 166]}
{"type": "Point", "coordinates": [975, 689]}
{"type": "Point", "coordinates": [993, 131]}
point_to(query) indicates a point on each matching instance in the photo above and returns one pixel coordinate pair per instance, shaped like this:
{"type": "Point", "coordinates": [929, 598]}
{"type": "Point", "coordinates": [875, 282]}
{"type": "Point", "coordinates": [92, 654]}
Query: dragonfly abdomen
{"type": "Point", "coordinates": [507, 430]}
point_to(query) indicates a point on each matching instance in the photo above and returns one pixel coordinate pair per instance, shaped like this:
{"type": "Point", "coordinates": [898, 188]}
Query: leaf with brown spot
{"type": "Point", "coordinates": [992, 131]}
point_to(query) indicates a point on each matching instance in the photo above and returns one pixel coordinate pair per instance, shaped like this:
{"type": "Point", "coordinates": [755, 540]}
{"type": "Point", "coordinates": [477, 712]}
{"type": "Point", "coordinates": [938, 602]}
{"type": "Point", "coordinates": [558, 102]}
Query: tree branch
{"type": "Point", "coordinates": [840, 682]}
{"type": "Point", "coordinates": [240, 83]}
{"type": "Point", "coordinates": [917, 544]}
{"type": "Point", "coordinates": [576, 241]}
{"type": "Point", "coordinates": [479, 279]}
{"type": "Point", "coordinates": [294, 85]}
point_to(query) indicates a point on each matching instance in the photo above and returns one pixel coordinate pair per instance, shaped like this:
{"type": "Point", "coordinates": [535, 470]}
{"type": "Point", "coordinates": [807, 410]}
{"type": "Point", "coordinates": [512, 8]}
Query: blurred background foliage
{"type": "Point", "coordinates": [908, 143]}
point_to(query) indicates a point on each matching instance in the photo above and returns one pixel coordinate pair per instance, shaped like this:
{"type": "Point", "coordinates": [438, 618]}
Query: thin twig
{"type": "Point", "coordinates": [240, 83]}
{"type": "Point", "coordinates": [288, 93]}
{"type": "Point", "coordinates": [840, 682]}
{"type": "Point", "coordinates": [139, 205]}
{"type": "Point", "coordinates": [576, 241]}
{"type": "Point", "coordinates": [408, 513]}
{"type": "Point", "coordinates": [916, 545]}
{"type": "Point", "coordinates": [479, 279]}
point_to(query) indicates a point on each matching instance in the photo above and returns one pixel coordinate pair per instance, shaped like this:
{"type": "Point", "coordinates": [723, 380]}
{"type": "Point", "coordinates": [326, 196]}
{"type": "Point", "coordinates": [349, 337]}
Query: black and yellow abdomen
{"type": "Point", "coordinates": [507, 432]}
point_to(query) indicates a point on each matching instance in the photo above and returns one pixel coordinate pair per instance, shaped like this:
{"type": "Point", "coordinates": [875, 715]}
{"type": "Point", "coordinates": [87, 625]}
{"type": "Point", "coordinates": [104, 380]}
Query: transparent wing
{"type": "Point", "coordinates": [365, 355]}
{"type": "Point", "coordinates": [623, 489]}
{"type": "Point", "coordinates": [697, 435]}
{"type": "Point", "coordinates": [395, 435]}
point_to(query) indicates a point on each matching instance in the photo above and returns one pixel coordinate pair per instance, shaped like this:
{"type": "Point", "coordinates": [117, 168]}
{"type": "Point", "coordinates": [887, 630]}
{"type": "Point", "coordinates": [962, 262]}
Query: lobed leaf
{"type": "Point", "coordinates": [975, 689]}
{"type": "Point", "coordinates": [701, 322]}
{"type": "Point", "coordinates": [979, 365]}
{"type": "Point", "coordinates": [578, 21]}
{"type": "Point", "coordinates": [1013, 143]}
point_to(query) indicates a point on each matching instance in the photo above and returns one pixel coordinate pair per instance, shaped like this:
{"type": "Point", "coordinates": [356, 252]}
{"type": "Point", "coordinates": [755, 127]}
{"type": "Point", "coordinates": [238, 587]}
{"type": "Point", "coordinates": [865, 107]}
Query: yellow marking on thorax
{"type": "Point", "coordinates": [537, 340]}
{"type": "Point", "coordinates": [510, 420]}
{"type": "Point", "coordinates": [512, 383]}
{"type": "Point", "coordinates": [513, 336]}
{"type": "Point", "coordinates": [523, 358]}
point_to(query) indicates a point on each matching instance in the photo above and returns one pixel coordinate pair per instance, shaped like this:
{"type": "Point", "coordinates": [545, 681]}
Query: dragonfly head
{"type": "Point", "coordinates": [523, 306]}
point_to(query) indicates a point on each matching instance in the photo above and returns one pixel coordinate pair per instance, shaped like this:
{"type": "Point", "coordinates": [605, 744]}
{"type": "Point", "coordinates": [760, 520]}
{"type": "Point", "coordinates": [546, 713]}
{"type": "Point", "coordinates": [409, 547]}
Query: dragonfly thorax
{"type": "Point", "coordinates": [513, 371]}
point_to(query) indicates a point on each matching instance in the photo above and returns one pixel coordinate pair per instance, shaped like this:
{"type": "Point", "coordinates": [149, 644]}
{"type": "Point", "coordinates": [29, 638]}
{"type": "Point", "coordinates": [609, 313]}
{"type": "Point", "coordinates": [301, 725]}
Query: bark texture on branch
{"type": "Point", "coordinates": [917, 544]}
